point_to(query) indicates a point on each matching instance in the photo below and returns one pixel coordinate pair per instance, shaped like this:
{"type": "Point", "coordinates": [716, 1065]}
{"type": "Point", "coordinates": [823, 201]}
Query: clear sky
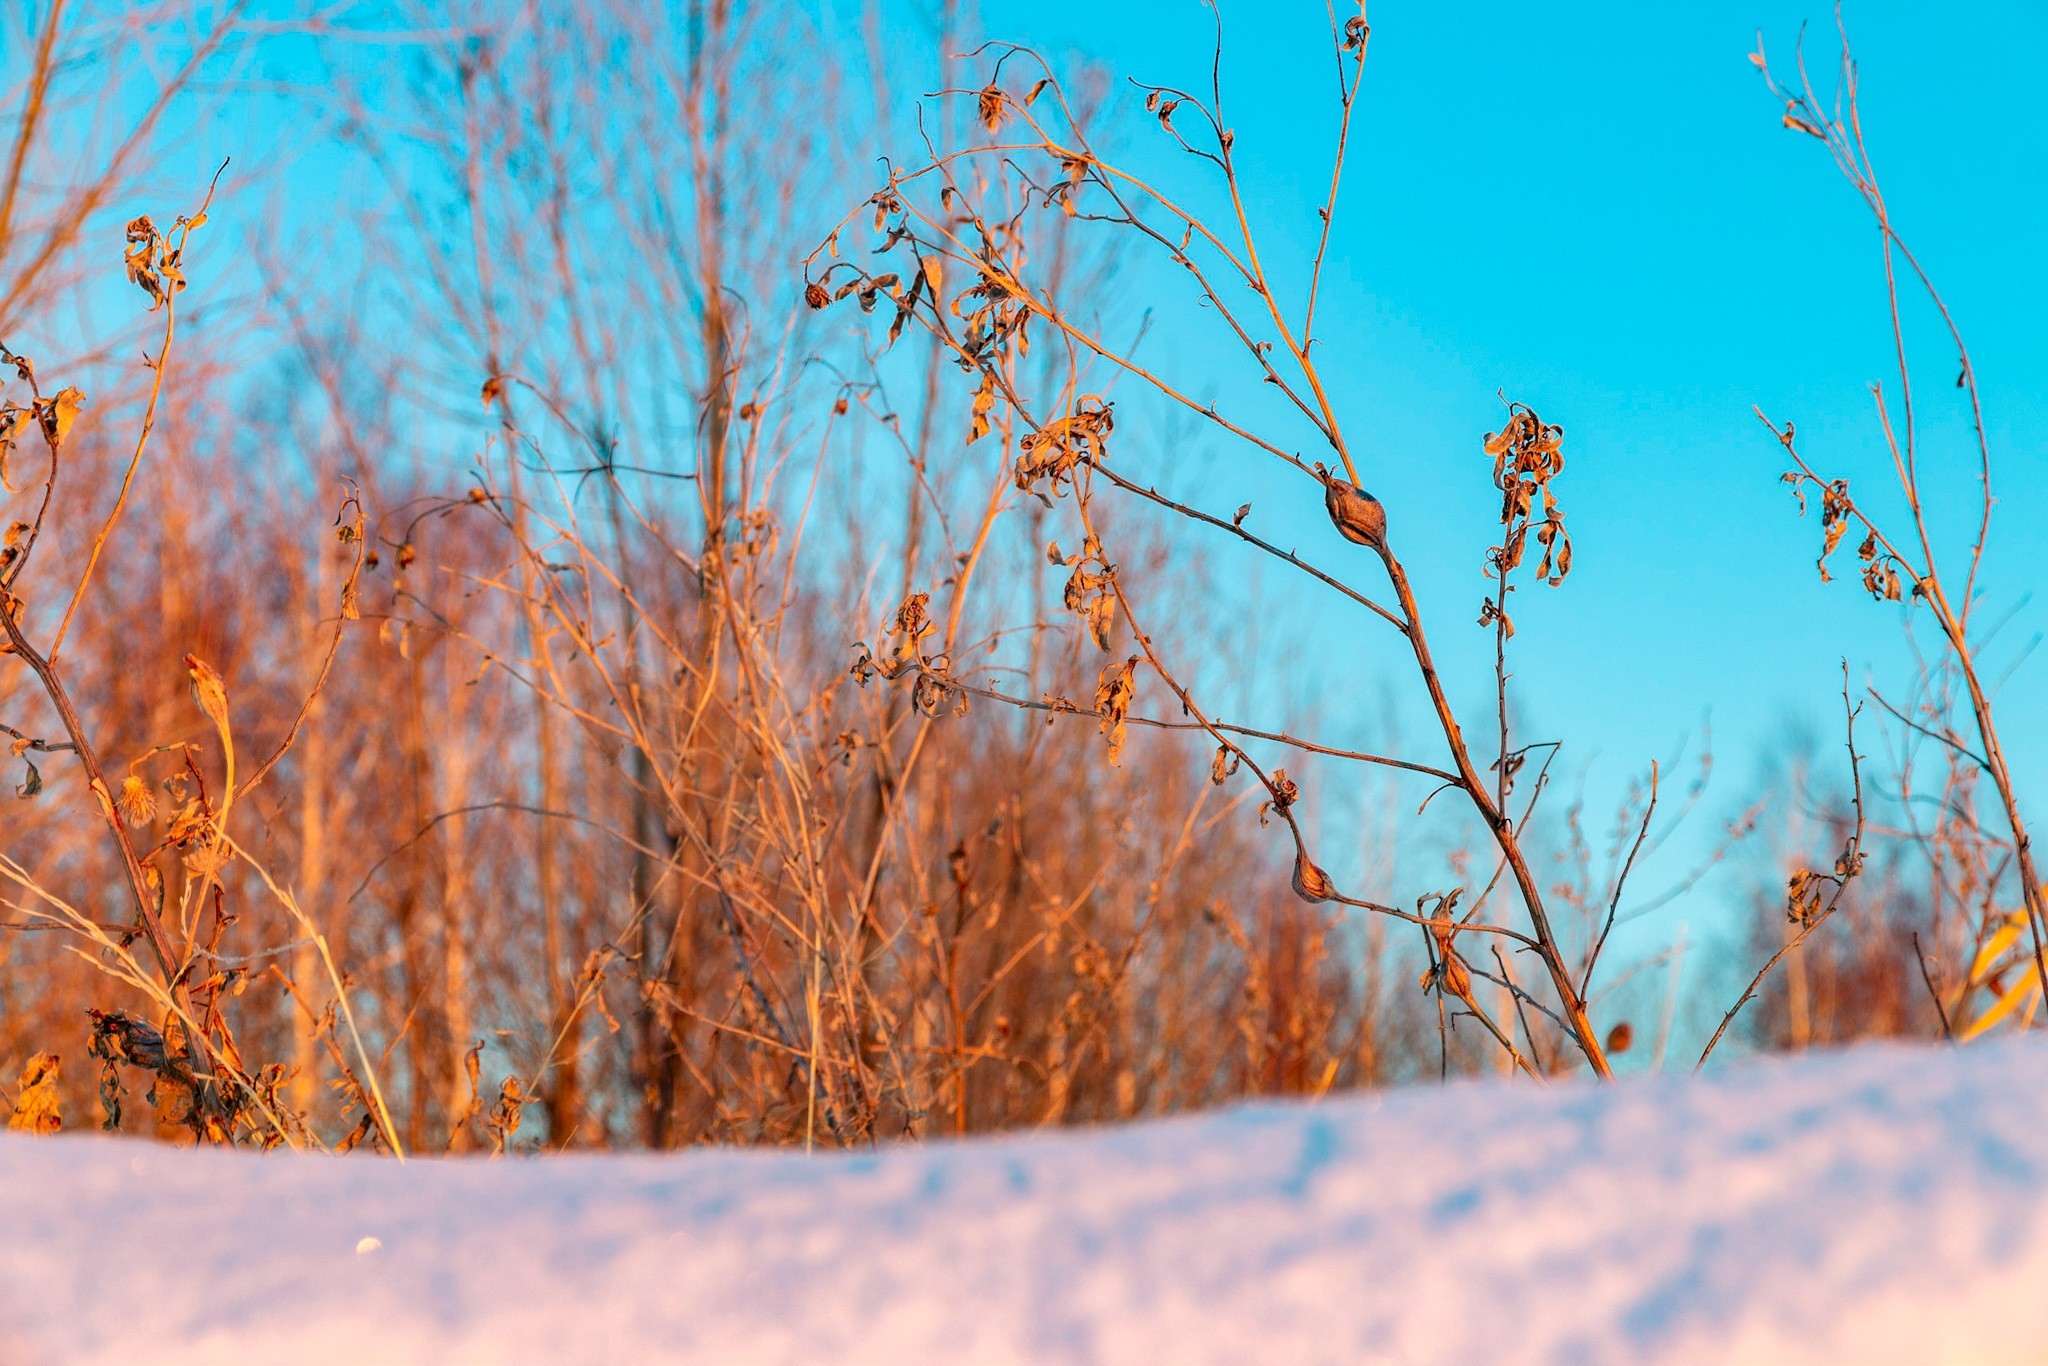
{"type": "Point", "coordinates": [1595, 208]}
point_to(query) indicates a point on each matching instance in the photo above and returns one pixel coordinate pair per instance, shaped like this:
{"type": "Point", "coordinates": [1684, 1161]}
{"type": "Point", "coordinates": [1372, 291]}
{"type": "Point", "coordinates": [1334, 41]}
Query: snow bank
{"type": "Point", "coordinates": [1878, 1205]}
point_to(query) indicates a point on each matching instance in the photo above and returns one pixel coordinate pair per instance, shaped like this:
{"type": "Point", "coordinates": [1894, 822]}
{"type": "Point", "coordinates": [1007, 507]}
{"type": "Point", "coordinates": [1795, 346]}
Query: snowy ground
{"type": "Point", "coordinates": [1879, 1205]}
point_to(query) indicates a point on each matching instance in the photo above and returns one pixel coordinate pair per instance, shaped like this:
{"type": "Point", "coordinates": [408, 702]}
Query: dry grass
{"type": "Point", "coordinates": [553, 802]}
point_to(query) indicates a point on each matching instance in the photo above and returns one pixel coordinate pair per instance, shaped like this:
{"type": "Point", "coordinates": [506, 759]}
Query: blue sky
{"type": "Point", "coordinates": [1595, 209]}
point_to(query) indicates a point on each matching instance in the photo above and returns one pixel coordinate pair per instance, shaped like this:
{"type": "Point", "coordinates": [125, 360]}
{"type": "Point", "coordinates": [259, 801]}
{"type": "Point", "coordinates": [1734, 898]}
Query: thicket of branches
{"type": "Point", "coordinates": [550, 657]}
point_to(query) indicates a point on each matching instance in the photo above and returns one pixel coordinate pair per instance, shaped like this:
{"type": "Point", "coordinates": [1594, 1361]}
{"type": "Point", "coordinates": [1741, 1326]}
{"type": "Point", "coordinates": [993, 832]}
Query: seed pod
{"type": "Point", "coordinates": [1310, 882]}
{"type": "Point", "coordinates": [1358, 516]}
{"type": "Point", "coordinates": [209, 692]}
{"type": "Point", "coordinates": [1453, 976]}
{"type": "Point", "coordinates": [1450, 975]}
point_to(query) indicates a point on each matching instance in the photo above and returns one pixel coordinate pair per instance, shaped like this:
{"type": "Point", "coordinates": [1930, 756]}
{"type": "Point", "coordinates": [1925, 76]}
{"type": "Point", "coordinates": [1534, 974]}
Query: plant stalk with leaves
{"type": "Point", "coordinates": [960, 221]}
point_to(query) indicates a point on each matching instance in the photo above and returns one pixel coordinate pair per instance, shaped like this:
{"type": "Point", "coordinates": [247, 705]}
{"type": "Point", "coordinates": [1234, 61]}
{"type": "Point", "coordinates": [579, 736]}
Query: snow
{"type": "Point", "coordinates": [1882, 1204]}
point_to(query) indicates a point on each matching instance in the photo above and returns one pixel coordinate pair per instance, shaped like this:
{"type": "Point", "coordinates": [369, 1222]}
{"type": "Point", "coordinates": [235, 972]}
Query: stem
{"type": "Point", "coordinates": [1573, 1005]}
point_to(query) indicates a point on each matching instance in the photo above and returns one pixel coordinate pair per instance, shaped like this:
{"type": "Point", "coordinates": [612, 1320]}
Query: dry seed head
{"type": "Point", "coordinates": [138, 803]}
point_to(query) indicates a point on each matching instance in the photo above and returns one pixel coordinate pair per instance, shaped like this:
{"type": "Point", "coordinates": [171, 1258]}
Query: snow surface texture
{"type": "Point", "coordinates": [1878, 1205]}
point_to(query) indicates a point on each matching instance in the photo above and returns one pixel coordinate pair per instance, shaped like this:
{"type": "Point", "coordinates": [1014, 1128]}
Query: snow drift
{"type": "Point", "coordinates": [1878, 1205]}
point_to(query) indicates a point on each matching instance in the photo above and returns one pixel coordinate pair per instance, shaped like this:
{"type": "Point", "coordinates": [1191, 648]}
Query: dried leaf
{"type": "Point", "coordinates": [1062, 444]}
{"type": "Point", "coordinates": [177, 1101]}
{"type": "Point", "coordinates": [1803, 895]}
{"type": "Point", "coordinates": [984, 404]}
{"type": "Point", "coordinates": [2006, 935]}
{"type": "Point", "coordinates": [1102, 618]}
{"type": "Point", "coordinates": [1113, 693]}
{"type": "Point", "coordinates": [912, 621]}
{"type": "Point", "coordinates": [142, 259]}
{"type": "Point", "coordinates": [13, 424]}
{"type": "Point", "coordinates": [1223, 765]}
{"type": "Point", "coordinates": [35, 1099]}
{"type": "Point", "coordinates": [60, 412]}
{"type": "Point", "coordinates": [503, 1121]}
{"type": "Point", "coordinates": [207, 854]}
{"type": "Point", "coordinates": [2021, 992]}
